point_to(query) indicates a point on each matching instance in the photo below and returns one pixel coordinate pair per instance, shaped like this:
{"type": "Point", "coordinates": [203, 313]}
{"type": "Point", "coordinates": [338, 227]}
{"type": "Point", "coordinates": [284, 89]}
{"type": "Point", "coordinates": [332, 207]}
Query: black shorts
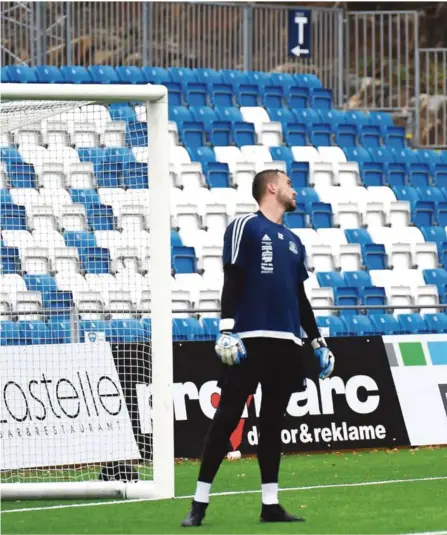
{"type": "Point", "coordinates": [275, 363]}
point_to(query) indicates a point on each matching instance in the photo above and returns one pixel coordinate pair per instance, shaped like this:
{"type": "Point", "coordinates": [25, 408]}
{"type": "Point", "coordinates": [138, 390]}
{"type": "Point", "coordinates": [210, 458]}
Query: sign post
{"type": "Point", "coordinates": [299, 40]}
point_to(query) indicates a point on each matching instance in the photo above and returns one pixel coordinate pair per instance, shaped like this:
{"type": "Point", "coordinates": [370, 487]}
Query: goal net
{"type": "Point", "coordinates": [85, 292]}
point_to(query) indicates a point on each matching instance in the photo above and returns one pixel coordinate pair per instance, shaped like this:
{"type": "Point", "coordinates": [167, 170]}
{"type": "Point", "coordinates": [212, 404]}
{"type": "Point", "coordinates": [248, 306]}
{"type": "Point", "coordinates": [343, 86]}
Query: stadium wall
{"type": "Point", "coordinates": [386, 392]}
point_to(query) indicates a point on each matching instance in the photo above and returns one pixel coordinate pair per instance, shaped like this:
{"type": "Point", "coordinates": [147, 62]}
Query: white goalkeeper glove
{"type": "Point", "coordinates": [229, 346]}
{"type": "Point", "coordinates": [324, 356]}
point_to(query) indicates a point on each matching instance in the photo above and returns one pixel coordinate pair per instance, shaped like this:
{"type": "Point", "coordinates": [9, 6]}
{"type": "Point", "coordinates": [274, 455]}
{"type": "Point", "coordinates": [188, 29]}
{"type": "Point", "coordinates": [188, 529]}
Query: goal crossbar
{"type": "Point", "coordinates": [155, 99]}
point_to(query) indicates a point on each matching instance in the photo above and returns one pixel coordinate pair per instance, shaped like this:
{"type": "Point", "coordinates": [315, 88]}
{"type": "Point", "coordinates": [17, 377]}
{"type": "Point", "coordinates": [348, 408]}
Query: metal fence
{"type": "Point", "coordinates": [432, 95]}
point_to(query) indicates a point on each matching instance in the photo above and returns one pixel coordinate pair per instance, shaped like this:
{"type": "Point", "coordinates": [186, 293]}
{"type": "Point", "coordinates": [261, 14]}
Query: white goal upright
{"type": "Point", "coordinates": [85, 289]}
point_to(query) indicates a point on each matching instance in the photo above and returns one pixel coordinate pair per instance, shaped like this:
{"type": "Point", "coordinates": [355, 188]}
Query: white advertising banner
{"type": "Point", "coordinates": [62, 405]}
{"type": "Point", "coordinates": [419, 367]}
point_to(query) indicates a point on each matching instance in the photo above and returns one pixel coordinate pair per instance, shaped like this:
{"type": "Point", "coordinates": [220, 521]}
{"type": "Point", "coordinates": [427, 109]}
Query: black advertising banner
{"type": "Point", "coordinates": [357, 407]}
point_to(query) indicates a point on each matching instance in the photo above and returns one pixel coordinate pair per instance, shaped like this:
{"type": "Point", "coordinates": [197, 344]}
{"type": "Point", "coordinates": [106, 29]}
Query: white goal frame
{"type": "Point", "coordinates": [156, 100]}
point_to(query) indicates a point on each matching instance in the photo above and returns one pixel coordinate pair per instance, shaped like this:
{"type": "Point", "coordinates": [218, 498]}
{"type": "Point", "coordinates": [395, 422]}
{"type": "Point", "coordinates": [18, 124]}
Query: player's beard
{"type": "Point", "coordinates": [288, 203]}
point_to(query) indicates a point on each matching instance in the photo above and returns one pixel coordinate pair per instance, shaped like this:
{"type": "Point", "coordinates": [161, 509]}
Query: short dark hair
{"type": "Point", "coordinates": [261, 180]}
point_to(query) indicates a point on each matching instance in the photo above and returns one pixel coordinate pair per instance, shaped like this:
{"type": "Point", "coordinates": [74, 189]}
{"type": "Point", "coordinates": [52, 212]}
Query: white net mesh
{"type": "Point", "coordinates": [75, 321]}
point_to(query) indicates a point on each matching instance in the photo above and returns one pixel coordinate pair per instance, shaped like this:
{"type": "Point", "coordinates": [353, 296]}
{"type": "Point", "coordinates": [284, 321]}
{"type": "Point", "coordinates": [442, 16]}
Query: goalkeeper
{"type": "Point", "coordinates": [263, 306]}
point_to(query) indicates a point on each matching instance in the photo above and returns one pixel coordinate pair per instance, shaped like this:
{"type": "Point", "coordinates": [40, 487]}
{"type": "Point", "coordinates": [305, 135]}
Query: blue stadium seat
{"type": "Point", "coordinates": [308, 80]}
{"type": "Point", "coordinates": [107, 174]}
{"type": "Point", "coordinates": [334, 117]}
{"type": "Point", "coordinates": [330, 279]}
{"type": "Point", "coordinates": [441, 213]}
{"type": "Point", "coordinates": [122, 112]}
{"type": "Point", "coordinates": [356, 154]}
{"type": "Point", "coordinates": [373, 296]}
{"type": "Point", "coordinates": [156, 75]}
{"type": "Point", "coordinates": [22, 74]}
{"type": "Point", "coordinates": [175, 94]}
{"type": "Point", "coordinates": [58, 304]}
{"type": "Point", "coordinates": [438, 276]}
{"type": "Point", "coordinates": [195, 93]}
{"type": "Point", "coordinates": [260, 78]}
{"type": "Point", "coordinates": [219, 134]}
{"type": "Point", "coordinates": [374, 256]}
{"type": "Point", "coordinates": [94, 326]}
{"type": "Point", "coordinates": [436, 323]}
{"type": "Point", "coordinates": [87, 197]}
{"type": "Point", "coordinates": [147, 326]}
{"type": "Point", "coordinates": [282, 154]}
{"type": "Point", "coordinates": [183, 75]}
{"type": "Point", "coordinates": [60, 330]}
{"type": "Point", "coordinates": [372, 173]}
{"type": "Point", "coordinates": [443, 156]}
{"type": "Point", "coordinates": [103, 74]}
{"type": "Point", "coordinates": [381, 154]}
{"type": "Point", "coordinates": [203, 114]}
{"type": "Point", "coordinates": [359, 325]}
{"type": "Point", "coordinates": [394, 137]}
{"type": "Point", "coordinates": [217, 174]}
{"type": "Point", "coordinates": [430, 194]}
{"type": "Point", "coordinates": [33, 332]}
{"type": "Point", "coordinates": [295, 134]}
{"type": "Point", "coordinates": [428, 156]}
{"type": "Point", "coordinates": [406, 193]}
{"type": "Point", "coordinates": [210, 328]}
{"type": "Point", "coordinates": [307, 116]}
{"type": "Point", "coordinates": [80, 239]}
{"type": "Point", "coordinates": [101, 217]}
{"type": "Point", "coordinates": [9, 333]}
{"type": "Point", "coordinates": [423, 213]}
{"type": "Point", "coordinates": [346, 136]}
{"type": "Point", "coordinates": [396, 174]}
{"type": "Point", "coordinates": [358, 235]}
{"type": "Point", "coordinates": [176, 240]}
{"type": "Point", "coordinates": [347, 296]}
{"type": "Point", "coordinates": [221, 95]}
{"type": "Point", "coordinates": [243, 134]}
{"type": "Point", "coordinates": [413, 324]}
{"type": "Point", "coordinates": [13, 217]}
{"type": "Point", "coordinates": [126, 331]}
{"type": "Point", "coordinates": [96, 155]}
{"type": "Point", "coordinates": [307, 196]}
{"type": "Point", "coordinates": [439, 174]}
{"type": "Point", "coordinates": [299, 174]}
{"type": "Point", "coordinates": [130, 75]}
{"type": "Point", "coordinates": [208, 76]}
{"type": "Point", "coordinates": [10, 260]}
{"type": "Point", "coordinates": [297, 97]}
{"type": "Point", "coordinates": [40, 283]}
{"type": "Point", "coordinates": [357, 117]}
{"type": "Point", "coordinates": [95, 259]}
{"type": "Point", "coordinates": [272, 96]}
{"type": "Point", "coordinates": [320, 134]}
{"type": "Point", "coordinates": [119, 155]}
{"type": "Point", "coordinates": [5, 77]}
{"type": "Point", "coordinates": [47, 74]}
{"type": "Point", "coordinates": [334, 324]}
{"type": "Point", "coordinates": [283, 79]}
{"type": "Point", "coordinates": [357, 278]}
{"type": "Point", "coordinates": [191, 134]}
{"type": "Point", "coordinates": [179, 114]}
{"type": "Point", "coordinates": [369, 136]}
{"type": "Point", "coordinates": [136, 134]}
{"type": "Point", "coordinates": [434, 234]}
{"type": "Point", "coordinates": [187, 329]}
{"type": "Point", "coordinates": [246, 94]}
{"type": "Point", "coordinates": [184, 259]}
{"type": "Point", "coordinates": [282, 115]}
{"type": "Point", "coordinates": [381, 119]}
{"type": "Point", "coordinates": [321, 215]}
{"type": "Point", "coordinates": [75, 74]}
{"type": "Point", "coordinates": [22, 175]}
{"type": "Point", "coordinates": [405, 155]}
{"type": "Point", "coordinates": [321, 99]}
{"type": "Point", "coordinates": [201, 154]}
{"type": "Point", "coordinates": [134, 175]}
{"type": "Point", "coordinates": [442, 291]}
{"type": "Point", "coordinates": [296, 219]}
{"type": "Point", "coordinates": [5, 199]}
{"type": "Point", "coordinates": [228, 113]}
{"type": "Point", "coordinates": [385, 324]}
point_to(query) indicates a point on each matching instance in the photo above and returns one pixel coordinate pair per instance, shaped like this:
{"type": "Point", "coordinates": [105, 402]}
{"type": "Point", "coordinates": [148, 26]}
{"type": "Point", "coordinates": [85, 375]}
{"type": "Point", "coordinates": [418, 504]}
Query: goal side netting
{"type": "Point", "coordinates": [85, 307]}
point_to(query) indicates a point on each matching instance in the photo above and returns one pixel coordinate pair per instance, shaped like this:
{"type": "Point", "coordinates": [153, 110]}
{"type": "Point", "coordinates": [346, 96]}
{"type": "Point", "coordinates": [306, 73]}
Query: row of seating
{"type": "Point", "coordinates": [57, 330]}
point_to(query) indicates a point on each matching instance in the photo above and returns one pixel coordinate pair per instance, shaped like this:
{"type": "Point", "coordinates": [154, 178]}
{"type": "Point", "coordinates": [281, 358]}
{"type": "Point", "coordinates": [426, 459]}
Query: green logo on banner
{"type": "Point", "coordinates": [412, 353]}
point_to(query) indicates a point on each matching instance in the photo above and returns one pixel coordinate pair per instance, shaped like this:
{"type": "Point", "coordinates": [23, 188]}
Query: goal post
{"type": "Point", "coordinates": [23, 104]}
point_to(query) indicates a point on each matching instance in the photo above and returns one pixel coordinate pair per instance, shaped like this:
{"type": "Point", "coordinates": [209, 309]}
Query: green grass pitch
{"type": "Point", "coordinates": [332, 504]}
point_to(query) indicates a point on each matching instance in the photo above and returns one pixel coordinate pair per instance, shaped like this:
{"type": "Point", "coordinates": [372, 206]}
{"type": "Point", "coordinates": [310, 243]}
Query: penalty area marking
{"type": "Point", "coordinates": [239, 492]}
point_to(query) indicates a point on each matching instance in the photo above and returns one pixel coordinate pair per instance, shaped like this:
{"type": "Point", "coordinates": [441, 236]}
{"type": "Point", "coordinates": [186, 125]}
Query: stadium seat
{"type": "Point", "coordinates": [335, 325]}
{"type": "Point", "coordinates": [74, 74]}
{"type": "Point", "coordinates": [359, 325]}
{"type": "Point", "coordinates": [10, 333]}
{"type": "Point", "coordinates": [10, 260]}
{"type": "Point", "coordinates": [34, 332]}
{"type": "Point", "coordinates": [436, 323]}
{"type": "Point", "coordinates": [331, 279]}
{"type": "Point", "coordinates": [127, 330]}
{"type": "Point", "coordinates": [413, 324]}
{"type": "Point", "coordinates": [385, 324]}
{"type": "Point", "coordinates": [22, 74]}
{"type": "Point", "coordinates": [357, 279]}
{"type": "Point", "coordinates": [47, 74]}
{"type": "Point", "coordinates": [373, 296]}
{"type": "Point", "coordinates": [103, 74]}
{"type": "Point", "coordinates": [130, 75]}
{"type": "Point", "coordinates": [345, 296]}
{"type": "Point", "coordinates": [58, 304]}
{"type": "Point", "coordinates": [374, 256]}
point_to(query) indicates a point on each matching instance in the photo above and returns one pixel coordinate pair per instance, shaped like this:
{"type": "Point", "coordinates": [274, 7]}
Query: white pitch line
{"type": "Point", "coordinates": [235, 493]}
